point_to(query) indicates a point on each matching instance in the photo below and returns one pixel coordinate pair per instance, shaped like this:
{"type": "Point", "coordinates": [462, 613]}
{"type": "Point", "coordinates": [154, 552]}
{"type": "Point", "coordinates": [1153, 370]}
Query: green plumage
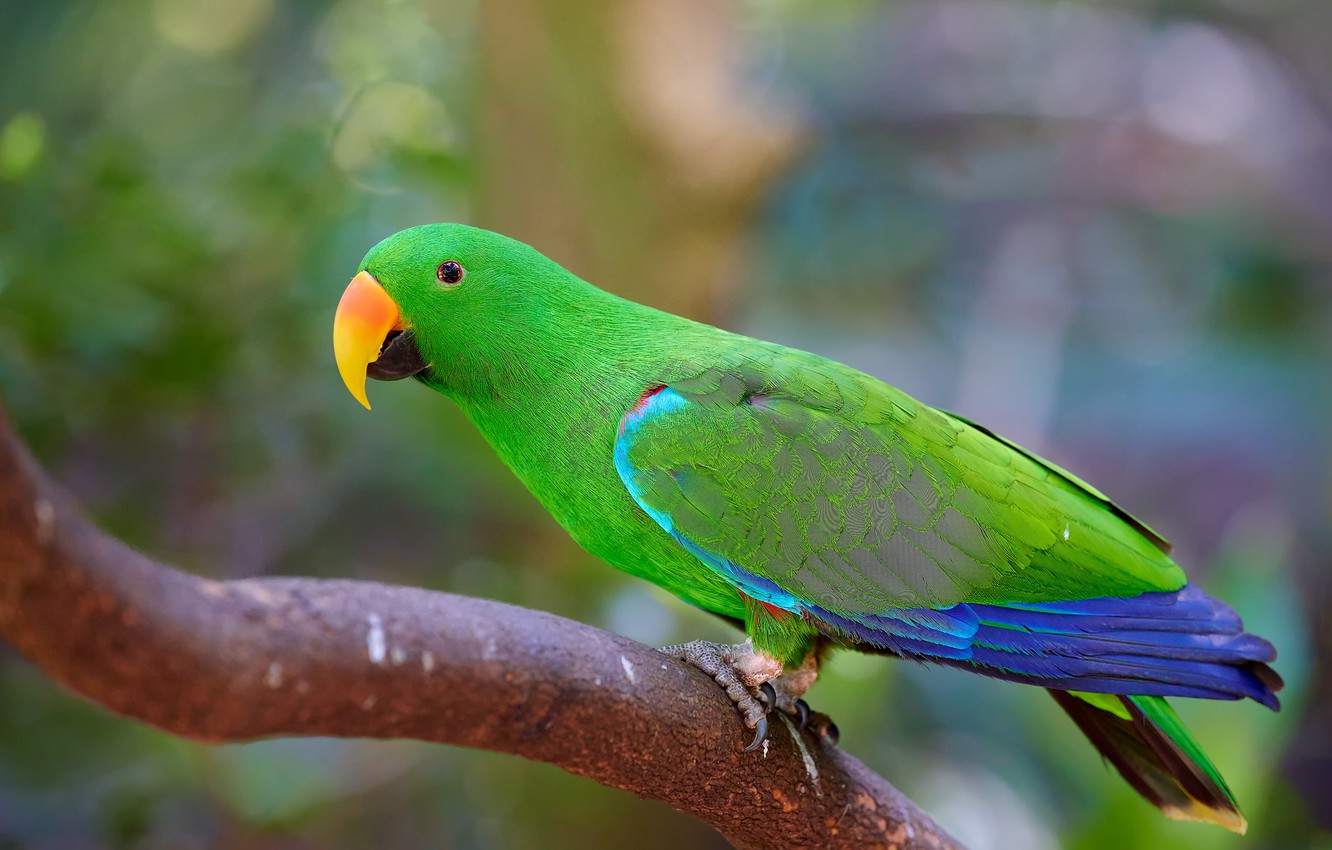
{"type": "Point", "coordinates": [818, 503]}
{"type": "Point", "coordinates": [845, 491]}
{"type": "Point", "coordinates": [547, 366]}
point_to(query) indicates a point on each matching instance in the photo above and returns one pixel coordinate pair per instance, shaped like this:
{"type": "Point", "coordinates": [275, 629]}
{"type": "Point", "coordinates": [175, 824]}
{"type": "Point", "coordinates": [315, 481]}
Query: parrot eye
{"type": "Point", "coordinates": [450, 273]}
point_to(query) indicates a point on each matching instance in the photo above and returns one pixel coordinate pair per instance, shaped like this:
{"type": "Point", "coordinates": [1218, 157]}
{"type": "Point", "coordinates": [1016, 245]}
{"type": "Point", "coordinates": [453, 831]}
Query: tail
{"type": "Point", "coordinates": [1150, 747]}
{"type": "Point", "coordinates": [1110, 662]}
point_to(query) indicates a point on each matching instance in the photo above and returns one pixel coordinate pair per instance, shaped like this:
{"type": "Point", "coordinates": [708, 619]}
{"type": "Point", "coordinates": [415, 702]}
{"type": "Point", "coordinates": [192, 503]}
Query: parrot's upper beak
{"type": "Point", "coordinates": [370, 339]}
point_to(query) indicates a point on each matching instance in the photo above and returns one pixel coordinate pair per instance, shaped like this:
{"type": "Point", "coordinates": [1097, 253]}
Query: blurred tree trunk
{"type": "Point", "coordinates": [618, 137]}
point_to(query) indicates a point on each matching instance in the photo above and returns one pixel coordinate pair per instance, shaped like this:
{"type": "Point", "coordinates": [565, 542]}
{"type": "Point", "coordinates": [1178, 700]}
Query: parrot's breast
{"type": "Point", "coordinates": [564, 454]}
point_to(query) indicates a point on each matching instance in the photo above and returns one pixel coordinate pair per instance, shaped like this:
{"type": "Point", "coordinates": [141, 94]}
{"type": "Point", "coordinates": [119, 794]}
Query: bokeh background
{"type": "Point", "coordinates": [1104, 230]}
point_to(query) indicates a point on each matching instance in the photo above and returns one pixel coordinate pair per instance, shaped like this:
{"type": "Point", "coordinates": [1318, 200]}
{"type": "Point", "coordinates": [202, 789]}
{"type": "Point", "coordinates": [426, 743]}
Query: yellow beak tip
{"type": "Point", "coordinates": [364, 316]}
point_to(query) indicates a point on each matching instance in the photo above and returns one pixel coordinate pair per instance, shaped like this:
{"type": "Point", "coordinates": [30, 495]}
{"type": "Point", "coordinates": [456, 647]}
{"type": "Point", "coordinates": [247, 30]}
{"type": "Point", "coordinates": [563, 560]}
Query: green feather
{"type": "Point", "coordinates": [875, 501]}
{"type": "Point", "coordinates": [1147, 743]}
{"type": "Point", "coordinates": [1105, 702]}
{"type": "Point", "coordinates": [1159, 713]}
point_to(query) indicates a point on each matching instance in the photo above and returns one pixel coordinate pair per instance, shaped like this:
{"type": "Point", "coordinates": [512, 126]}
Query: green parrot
{"type": "Point", "coordinates": [808, 501]}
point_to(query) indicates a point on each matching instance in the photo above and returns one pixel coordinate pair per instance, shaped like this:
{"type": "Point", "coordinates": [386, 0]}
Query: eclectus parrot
{"type": "Point", "coordinates": [809, 501]}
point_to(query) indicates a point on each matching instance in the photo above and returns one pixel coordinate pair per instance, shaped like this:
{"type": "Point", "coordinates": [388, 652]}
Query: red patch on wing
{"type": "Point", "coordinates": [645, 398]}
{"type": "Point", "coordinates": [773, 610]}
{"type": "Point", "coordinates": [777, 613]}
{"type": "Point", "coordinates": [639, 406]}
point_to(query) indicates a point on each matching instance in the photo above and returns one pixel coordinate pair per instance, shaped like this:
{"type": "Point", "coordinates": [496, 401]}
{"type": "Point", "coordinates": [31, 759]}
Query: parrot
{"type": "Point", "coordinates": [808, 502]}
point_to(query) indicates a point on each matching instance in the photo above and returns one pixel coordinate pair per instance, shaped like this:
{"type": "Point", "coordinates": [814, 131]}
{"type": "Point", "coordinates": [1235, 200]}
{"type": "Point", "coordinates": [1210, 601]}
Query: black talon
{"type": "Point", "coordinates": [760, 732]}
{"type": "Point", "coordinates": [768, 694]}
{"type": "Point", "coordinates": [832, 733]}
{"type": "Point", "coordinates": [802, 708]}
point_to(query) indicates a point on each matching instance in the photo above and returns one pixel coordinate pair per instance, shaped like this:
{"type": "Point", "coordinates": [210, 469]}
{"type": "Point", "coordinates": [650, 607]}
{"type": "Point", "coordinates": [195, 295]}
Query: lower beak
{"type": "Point", "coordinates": [365, 317]}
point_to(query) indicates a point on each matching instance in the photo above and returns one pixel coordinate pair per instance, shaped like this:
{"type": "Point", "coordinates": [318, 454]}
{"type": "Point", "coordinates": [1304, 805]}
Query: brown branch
{"type": "Point", "coordinates": [237, 660]}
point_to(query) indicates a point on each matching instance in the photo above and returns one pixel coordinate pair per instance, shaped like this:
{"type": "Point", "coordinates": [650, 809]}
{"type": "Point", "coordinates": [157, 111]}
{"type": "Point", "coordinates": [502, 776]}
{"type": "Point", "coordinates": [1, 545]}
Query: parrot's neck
{"type": "Point", "coordinates": [568, 359]}
{"type": "Point", "coordinates": [552, 412]}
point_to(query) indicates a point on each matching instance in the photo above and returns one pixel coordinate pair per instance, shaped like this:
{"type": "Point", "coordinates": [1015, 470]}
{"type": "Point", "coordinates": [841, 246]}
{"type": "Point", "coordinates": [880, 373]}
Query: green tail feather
{"type": "Point", "coordinates": [1150, 747]}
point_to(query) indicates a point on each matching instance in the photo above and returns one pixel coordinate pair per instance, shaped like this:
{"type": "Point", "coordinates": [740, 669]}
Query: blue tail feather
{"type": "Point", "coordinates": [1133, 674]}
{"type": "Point", "coordinates": [1182, 646]}
{"type": "Point", "coordinates": [1181, 643]}
{"type": "Point", "coordinates": [1185, 610]}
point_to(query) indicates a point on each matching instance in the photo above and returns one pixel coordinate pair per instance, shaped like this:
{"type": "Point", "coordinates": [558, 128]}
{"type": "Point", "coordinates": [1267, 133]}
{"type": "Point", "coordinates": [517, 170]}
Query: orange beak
{"type": "Point", "coordinates": [365, 316]}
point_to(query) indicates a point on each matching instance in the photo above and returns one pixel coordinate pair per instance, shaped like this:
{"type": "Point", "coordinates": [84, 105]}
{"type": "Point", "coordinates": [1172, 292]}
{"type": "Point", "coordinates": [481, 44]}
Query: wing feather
{"type": "Point", "coordinates": [845, 493]}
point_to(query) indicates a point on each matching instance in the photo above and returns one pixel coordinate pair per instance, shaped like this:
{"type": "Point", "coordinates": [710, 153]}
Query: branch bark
{"type": "Point", "coordinates": [239, 660]}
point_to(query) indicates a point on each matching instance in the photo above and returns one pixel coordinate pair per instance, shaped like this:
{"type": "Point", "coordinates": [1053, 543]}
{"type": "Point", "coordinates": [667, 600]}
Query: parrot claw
{"type": "Point", "coordinates": [822, 726]}
{"type": "Point", "coordinates": [760, 734]}
{"type": "Point", "coordinates": [754, 682]}
{"type": "Point", "coordinates": [743, 673]}
{"type": "Point", "coordinates": [831, 732]}
{"type": "Point", "coordinates": [815, 722]}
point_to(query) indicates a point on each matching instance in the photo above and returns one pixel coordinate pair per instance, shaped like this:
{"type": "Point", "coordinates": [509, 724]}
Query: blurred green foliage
{"type": "Point", "coordinates": [1102, 229]}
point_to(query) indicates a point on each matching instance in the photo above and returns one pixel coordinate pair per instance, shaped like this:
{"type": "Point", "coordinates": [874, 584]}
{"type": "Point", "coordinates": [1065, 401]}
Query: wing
{"type": "Point", "coordinates": [809, 482]}
{"type": "Point", "coordinates": [822, 491]}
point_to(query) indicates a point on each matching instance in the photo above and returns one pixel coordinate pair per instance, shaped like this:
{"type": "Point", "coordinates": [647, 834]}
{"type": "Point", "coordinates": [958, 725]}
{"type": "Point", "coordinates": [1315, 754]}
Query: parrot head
{"type": "Point", "coordinates": [442, 302]}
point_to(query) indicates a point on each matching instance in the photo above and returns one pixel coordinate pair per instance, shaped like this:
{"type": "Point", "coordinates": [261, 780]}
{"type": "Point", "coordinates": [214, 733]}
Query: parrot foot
{"type": "Point", "coordinates": [820, 724]}
{"type": "Point", "coordinates": [757, 685]}
{"type": "Point", "coordinates": [785, 695]}
{"type": "Point", "coordinates": [743, 672]}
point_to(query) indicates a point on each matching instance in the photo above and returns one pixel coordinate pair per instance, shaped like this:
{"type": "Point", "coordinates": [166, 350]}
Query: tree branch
{"type": "Point", "coordinates": [238, 660]}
